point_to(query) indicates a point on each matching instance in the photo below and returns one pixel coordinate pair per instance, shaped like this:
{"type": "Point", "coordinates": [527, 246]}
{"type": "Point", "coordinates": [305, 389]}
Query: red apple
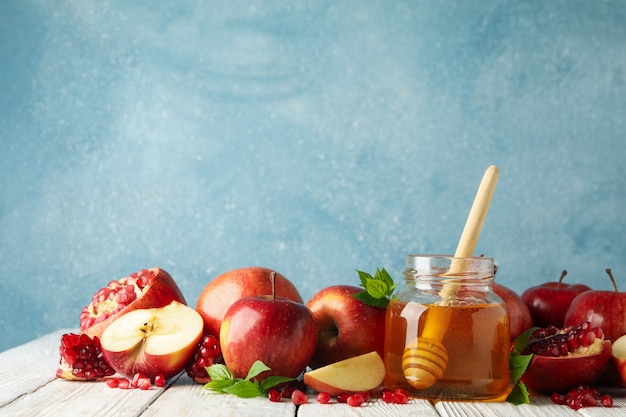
{"type": "Point", "coordinates": [346, 326]}
{"type": "Point", "coordinates": [520, 319]}
{"type": "Point", "coordinates": [152, 341]}
{"type": "Point", "coordinates": [549, 302]}
{"type": "Point", "coordinates": [603, 309]}
{"type": "Point", "coordinates": [276, 330]}
{"type": "Point", "coordinates": [148, 288]}
{"type": "Point", "coordinates": [219, 294]}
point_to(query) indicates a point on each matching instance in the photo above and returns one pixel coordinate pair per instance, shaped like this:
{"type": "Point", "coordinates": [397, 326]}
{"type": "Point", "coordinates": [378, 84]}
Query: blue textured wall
{"type": "Point", "coordinates": [312, 137]}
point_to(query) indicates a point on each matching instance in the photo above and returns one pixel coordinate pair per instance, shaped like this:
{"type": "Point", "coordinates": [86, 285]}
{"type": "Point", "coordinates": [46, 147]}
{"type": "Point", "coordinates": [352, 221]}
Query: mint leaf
{"type": "Point", "coordinates": [244, 389]}
{"type": "Point", "coordinates": [386, 278]}
{"type": "Point", "coordinates": [518, 364]}
{"type": "Point", "coordinates": [222, 381]}
{"type": "Point", "coordinates": [219, 372]}
{"type": "Point", "coordinates": [519, 394]}
{"type": "Point", "coordinates": [364, 276]}
{"type": "Point", "coordinates": [219, 385]}
{"type": "Point", "coordinates": [375, 288]}
{"type": "Point", "coordinates": [256, 368]}
{"type": "Point", "coordinates": [371, 301]}
{"type": "Point", "coordinates": [378, 288]}
{"type": "Point", "coordinates": [522, 340]}
{"type": "Point", "coordinates": [272, 381]}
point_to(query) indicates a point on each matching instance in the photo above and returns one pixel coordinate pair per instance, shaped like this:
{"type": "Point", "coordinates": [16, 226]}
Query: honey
{"type": "Point", "coordinates": [476, 342]}
{"type": "Point", "coordinates": [447, 334]}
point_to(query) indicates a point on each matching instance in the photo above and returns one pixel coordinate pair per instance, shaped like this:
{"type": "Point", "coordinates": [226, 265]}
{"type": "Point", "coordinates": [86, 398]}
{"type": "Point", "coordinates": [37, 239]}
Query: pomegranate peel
{"type": "Point", "coordinates": [148, 288]}
{"type": "Point", "coordinates": [574, 356]}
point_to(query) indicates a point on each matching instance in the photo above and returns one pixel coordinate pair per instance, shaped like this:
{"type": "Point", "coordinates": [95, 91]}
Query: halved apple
{"type": "Point", "coordinates": [153, 340]}
{"type": "Point", "coordinates": [619, 356]}
{"type": "Point", "coordinates": [357, 374]}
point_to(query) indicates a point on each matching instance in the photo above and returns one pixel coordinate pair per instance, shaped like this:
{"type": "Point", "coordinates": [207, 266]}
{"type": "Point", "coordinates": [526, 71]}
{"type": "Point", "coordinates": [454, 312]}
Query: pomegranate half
{"type": "Point", "coordinates": [148, 288]}
{"type": "Point", "coordinates": [575, 356]}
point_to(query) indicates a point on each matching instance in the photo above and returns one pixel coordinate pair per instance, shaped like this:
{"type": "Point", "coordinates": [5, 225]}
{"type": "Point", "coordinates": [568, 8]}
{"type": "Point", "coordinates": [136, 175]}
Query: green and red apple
{"type": "Point", "coordinates": [221, 292]}
{"type": "Point", "coordinates": [346, 326]}
{"type": "Point", "coordinates": [276, 330]}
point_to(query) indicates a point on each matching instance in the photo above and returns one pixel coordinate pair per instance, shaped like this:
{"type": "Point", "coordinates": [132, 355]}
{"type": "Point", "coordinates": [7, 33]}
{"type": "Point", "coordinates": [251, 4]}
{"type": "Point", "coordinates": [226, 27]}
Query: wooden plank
{"type": "Point", "coordinates": [190, 399]}
{"type": "Point", "coordinates": [27, 367]}
{"type": "Point", "coordinates": [64, 398]}
{"type": "Point", "coordinates": [377, 408]}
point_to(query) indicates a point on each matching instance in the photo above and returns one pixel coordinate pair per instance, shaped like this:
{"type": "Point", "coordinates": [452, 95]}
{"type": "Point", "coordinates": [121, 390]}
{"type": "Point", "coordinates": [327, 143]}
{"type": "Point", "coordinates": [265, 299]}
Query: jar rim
{"type": "Point", "coordinates": [439, 266]}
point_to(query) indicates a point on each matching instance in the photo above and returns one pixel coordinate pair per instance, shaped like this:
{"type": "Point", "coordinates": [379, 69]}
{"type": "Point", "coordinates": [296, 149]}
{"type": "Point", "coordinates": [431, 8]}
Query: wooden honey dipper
{"type": "Point", "coordinates": [425, 359]}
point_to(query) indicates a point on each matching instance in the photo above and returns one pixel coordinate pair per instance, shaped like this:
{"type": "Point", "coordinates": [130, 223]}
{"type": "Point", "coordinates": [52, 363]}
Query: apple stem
{"type": "Point", "coordinates": [561, 278]}
{"type": "Point", "coordinates": [273, 281]}
{"type": "Point", "coordinates": [608, 271]}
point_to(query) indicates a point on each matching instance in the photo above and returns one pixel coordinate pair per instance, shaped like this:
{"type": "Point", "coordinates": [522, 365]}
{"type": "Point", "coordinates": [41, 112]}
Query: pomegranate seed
{"type": "Point", "coordinates": [588, 400]}
{"type": "Point", "coordinates": [113, 382]}
{"type": "Point", "coordinates": [323, 397]}
{"type": "Point", "coordinates": [124, 383]}
{"type": "Point", "coordinates": [551, 341]}
{"type": "Point", "coordinates": [298, 397]}
{"type": "Point", "coordinates": [138, 376]}
{"type": "Point", "coordinates": [81, 358]}
{"type": "Point", "coordinates": [387, 396]}
{"type": "Point", "coordinates": [400, 396]}
{"type": "Point", "coordinates": [557, 398]}
{"type": "Point", "coordinates": [287, 391]}
{"type": "Point", "coordinates": [274, 395]}
{"type": "Point", "coordinates": [160, 380]}
{"type": "Point", "coordinates": [343, 397]}
{"type": "Point", "coordinates": [355, 400]}
{"type": "Point", "coordinates": [606, 400]}
{"type": "Point", "coordinates": [143, 383]}
{"type": "Point", "coordinates": [207, 353]}
{"type": "Point", "coordinates": [582, 396]}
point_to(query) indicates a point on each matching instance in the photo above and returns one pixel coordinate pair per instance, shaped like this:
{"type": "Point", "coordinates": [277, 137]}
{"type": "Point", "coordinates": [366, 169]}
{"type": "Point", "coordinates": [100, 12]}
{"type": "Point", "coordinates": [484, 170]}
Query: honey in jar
{"type": "Point", "coordinates": [447, 335]}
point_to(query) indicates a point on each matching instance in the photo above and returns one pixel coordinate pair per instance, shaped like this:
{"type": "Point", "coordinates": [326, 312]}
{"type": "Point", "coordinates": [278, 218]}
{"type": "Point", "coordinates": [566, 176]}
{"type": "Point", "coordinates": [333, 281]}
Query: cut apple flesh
{"type": "Point", "coordinates": [152, 340]}
{"type": "Point", "coordinates": [619, 348]}
{"type": "Point", "coordinates": [155, 333]}
{"type": "Point", "coordinates": [357, 374]}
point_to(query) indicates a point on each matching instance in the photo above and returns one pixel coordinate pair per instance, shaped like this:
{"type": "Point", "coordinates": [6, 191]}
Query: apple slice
{"type": "Point", "coordinates": [357, 374]}
{"type": "Point", "coordinates": [619, 356]}
{"type": "Point", "coordinates": [152, 340]}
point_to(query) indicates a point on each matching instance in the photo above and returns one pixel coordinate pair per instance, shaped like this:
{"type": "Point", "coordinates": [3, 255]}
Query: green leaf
{"type": "Point", "coordinates": [219, 385]}
{"type": "Point", "coordinates": [244, 389]}
{"type": "Point", "coordinates": [371, 301]}
{"type": "Point", "coordinates": [384, 276]}
{"type": "Point", "coordinates": [519, 394]}
{"type": "Point", "coordinates": [518, 364]}
{"type": "Point", "coordinates": [376, 288]}
{"type": "Point", "coordinates": [257, 367]}
{"type": "Point", "coordinates": [522, 340]}
{"type": "Point", "coordinates": [272, 381]}
{"type": "Point", "coordinates": [364, 276]}
{"type": "Point", "coordinates": [219, 372]}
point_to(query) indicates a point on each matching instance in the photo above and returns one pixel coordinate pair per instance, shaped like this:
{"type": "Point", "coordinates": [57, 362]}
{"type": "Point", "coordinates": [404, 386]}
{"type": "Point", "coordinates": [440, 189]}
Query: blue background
{"type": "Point", "coordinates": [312, 137]}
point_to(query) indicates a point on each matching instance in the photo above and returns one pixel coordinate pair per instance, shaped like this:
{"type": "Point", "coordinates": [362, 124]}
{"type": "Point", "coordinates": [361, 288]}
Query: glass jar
{"type": "Point", "coordinates": [447, 332]}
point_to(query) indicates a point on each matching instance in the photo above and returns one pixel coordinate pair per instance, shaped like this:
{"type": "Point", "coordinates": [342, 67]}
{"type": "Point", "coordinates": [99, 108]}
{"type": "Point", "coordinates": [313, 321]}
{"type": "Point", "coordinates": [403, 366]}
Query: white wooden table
{"type": "Point", "coordinates": [28, 387]}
